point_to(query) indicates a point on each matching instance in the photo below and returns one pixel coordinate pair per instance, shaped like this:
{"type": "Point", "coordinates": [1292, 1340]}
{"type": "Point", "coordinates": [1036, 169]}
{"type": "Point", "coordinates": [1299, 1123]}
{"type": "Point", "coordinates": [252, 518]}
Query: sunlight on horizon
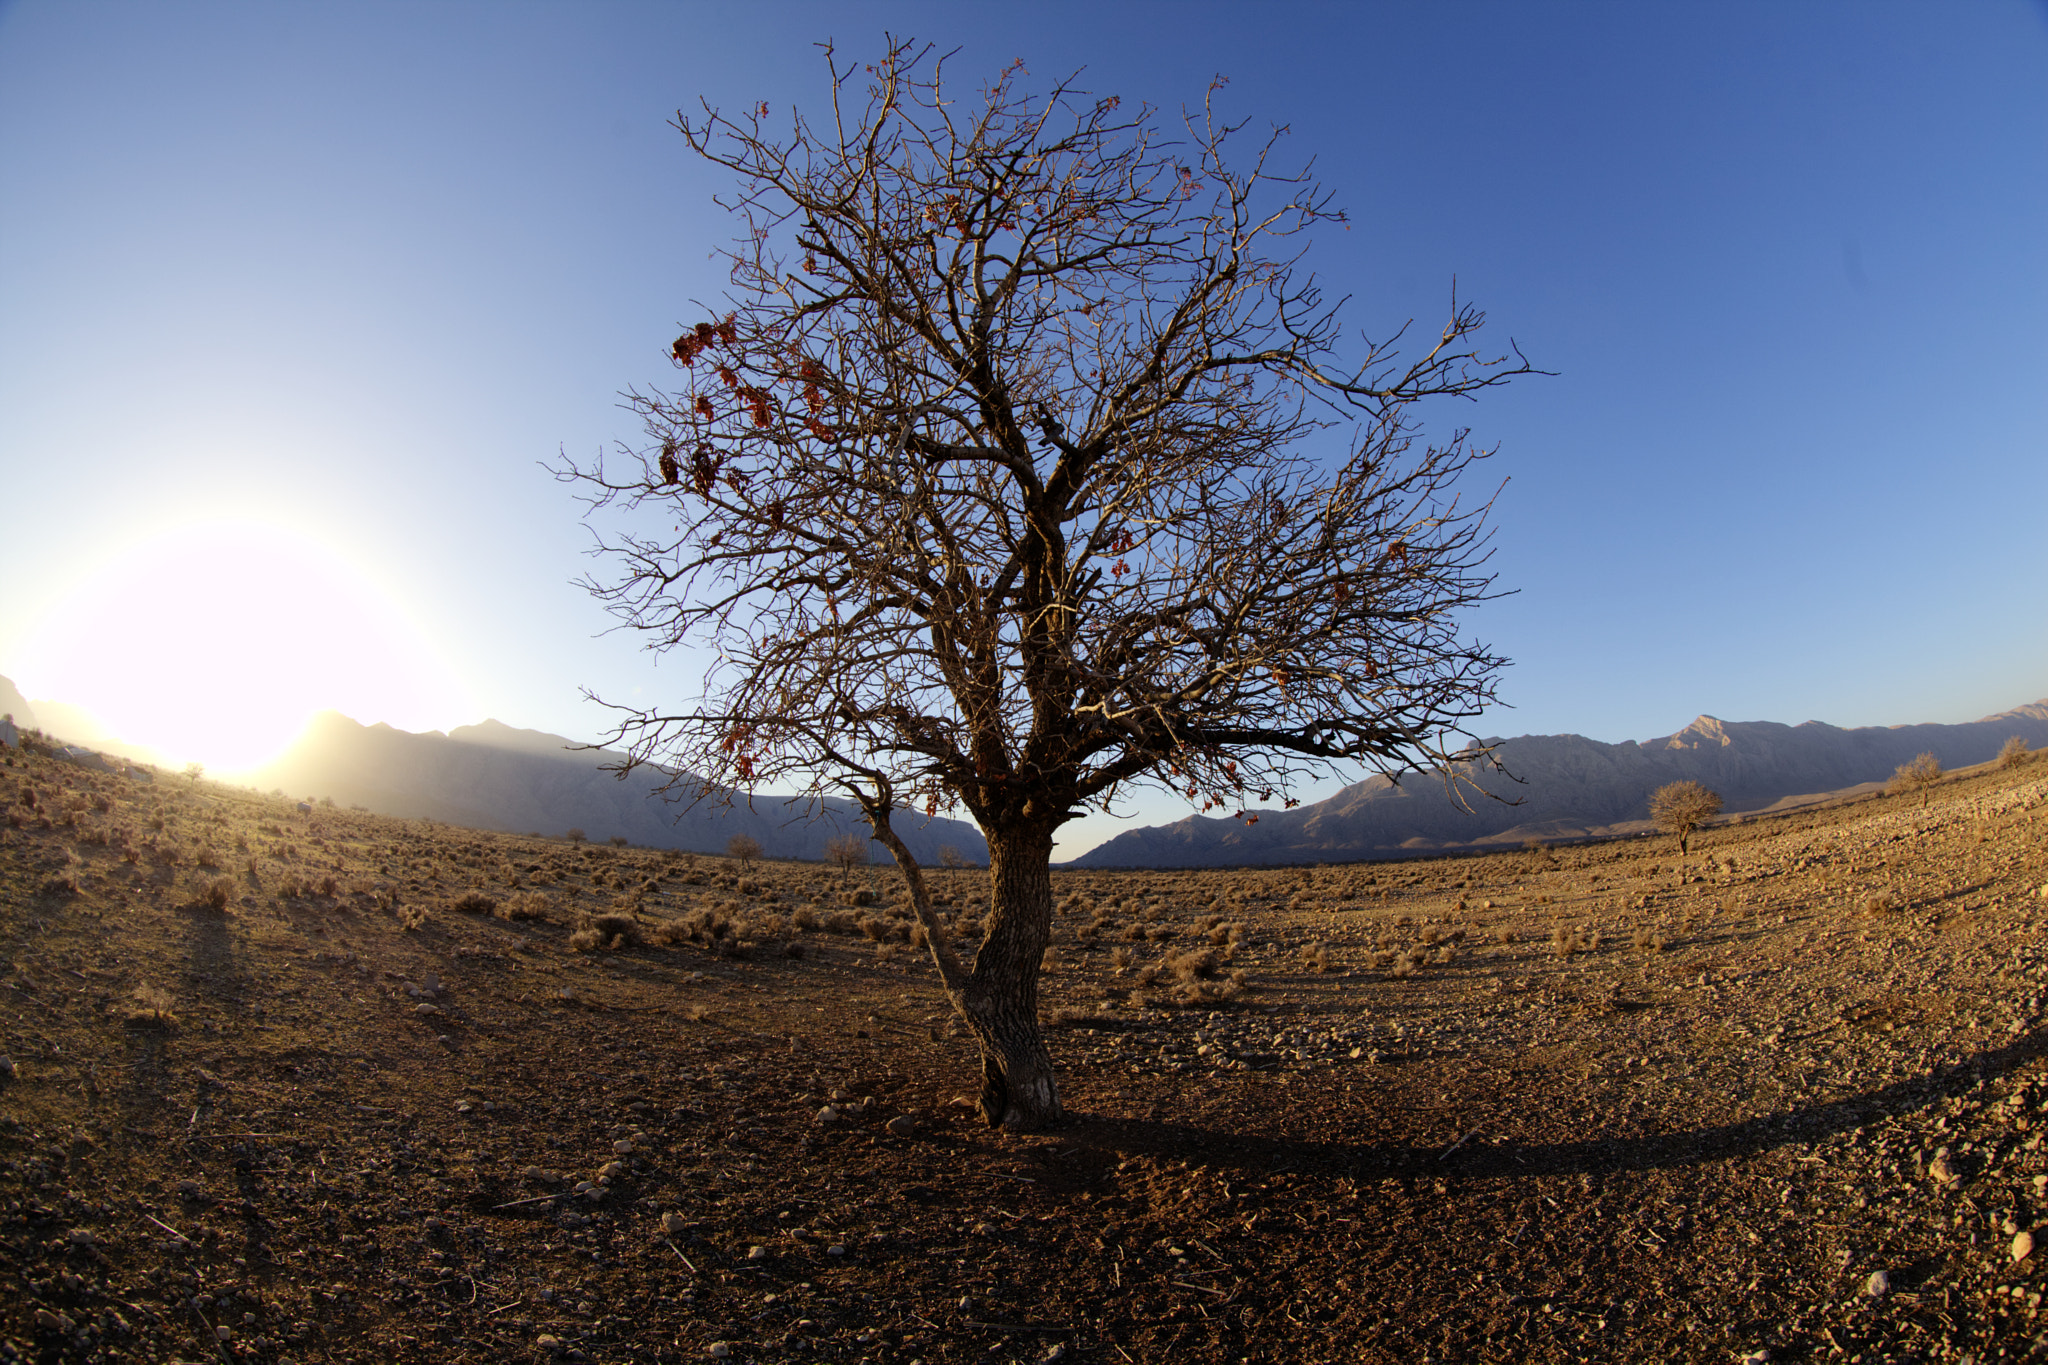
{"type": "Point", "coordinates": [217, 643]}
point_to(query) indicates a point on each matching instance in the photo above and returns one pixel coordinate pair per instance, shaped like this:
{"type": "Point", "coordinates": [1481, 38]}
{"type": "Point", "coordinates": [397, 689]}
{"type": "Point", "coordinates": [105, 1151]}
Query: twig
{"type": "Point", "coordinates": [517, 1202]}
{"type": "Point", "coordinates": [1456, 1145]}
{"type": "Point", "coordinates": [1017, 1326]}
{"type": "Point", "coordinates": [679, 1255]}
{"type": "Point", "coordinates": [1186, 1284]}
{"type": "Point", "coordinates": [168, 1228]}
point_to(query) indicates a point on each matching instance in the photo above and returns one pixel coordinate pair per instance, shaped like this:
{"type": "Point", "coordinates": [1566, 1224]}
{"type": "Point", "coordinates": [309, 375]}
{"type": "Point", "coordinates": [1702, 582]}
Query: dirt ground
{"type": "Point", "coordinates": [326, 1086]}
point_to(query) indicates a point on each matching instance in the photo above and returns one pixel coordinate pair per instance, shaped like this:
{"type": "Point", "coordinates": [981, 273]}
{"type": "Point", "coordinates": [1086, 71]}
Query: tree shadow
{"type": "Point", "coordinates": [1477, 1158]}
{"type": "Point", "coordinates": [212, 967]}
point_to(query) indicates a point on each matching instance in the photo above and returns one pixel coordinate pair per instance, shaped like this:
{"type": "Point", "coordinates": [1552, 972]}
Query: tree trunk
{"type": "Point", "coordinates": [1000, 1001]}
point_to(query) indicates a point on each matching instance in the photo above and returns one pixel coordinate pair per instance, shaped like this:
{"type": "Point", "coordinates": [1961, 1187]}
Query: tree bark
{"type": "Point", "coordinates": [1019, 1091]}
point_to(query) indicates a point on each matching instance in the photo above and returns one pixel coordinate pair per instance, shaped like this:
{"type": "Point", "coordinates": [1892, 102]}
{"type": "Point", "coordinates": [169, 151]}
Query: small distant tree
{"type": "Point", "coordinates": [576, 836]}
{"type": "Point", "coordinates": [2014, 753]}
{"type": "Point", "coordinates": [195, 771]}
{"type": "Point", "coordinates": [618, 841]}
{"type": "Point", "coordinates": [1920, 775]}
{"type": "Point", "coordinates": [744, 848]}
{"type": "Point", "coordinates": [1682, 807]}
{"type": "Point", "coordinates": [846, 852]}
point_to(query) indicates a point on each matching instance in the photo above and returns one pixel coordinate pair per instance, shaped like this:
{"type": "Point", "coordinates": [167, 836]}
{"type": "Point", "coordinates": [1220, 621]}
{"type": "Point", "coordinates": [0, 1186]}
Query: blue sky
{"type": "Point", "coordinates": [295, 301]}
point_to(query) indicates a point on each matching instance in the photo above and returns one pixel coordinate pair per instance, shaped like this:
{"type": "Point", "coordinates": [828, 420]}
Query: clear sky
{"type": "Point", "coordinates": [296, 299]}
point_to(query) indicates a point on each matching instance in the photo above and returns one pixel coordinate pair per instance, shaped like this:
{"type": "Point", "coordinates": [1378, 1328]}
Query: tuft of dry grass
{"type": "Point", "coordinates": [151, 1008]}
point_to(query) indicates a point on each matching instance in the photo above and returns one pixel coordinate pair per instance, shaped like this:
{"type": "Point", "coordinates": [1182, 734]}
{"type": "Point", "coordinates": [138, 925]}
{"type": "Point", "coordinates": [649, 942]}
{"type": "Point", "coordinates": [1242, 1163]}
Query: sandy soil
{"type": "Point", "coordinates": [1782, 1099]}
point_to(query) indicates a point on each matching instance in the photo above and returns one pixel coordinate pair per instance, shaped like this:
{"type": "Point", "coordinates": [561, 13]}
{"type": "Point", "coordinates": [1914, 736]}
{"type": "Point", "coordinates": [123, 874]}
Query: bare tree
{"type": "Point", "coordinates": [1682, 807]}
{"type": "Point", "coordinates": [2014, 752]}
{"type": "Point", "coordinates": [1919, 775]}
{"type": "Point", "coordinates": [744, 848]}
{"type": "Point", "coordinates": [846, 852]}
{"type": "Point", "coordinates": [1022, 462]}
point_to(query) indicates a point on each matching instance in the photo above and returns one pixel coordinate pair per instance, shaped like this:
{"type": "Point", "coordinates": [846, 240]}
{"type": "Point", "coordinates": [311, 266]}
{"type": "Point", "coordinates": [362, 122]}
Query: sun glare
{"type": "Point", "coordinates": [217, 643]}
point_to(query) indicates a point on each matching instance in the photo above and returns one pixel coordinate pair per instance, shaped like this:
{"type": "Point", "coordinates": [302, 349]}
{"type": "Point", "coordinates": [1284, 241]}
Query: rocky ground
{"type": "Point", "coordinates": [332, 1087]}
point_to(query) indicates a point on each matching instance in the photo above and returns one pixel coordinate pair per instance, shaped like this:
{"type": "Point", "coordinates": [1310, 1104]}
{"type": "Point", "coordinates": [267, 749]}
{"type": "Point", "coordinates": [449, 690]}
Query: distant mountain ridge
{"type": "Point", "coordinates": [495, 776]}
{"type": "Point", "coordinates": [1570, 787]}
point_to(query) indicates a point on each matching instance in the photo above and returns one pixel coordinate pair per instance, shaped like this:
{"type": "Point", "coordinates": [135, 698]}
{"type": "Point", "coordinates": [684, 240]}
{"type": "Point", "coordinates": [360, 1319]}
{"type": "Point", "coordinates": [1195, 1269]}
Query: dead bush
{"type": "Point", "coordinates": [1920, 775]}
{"type": "Point", "coordinates": [1316, 957]}
{"type": "Point", "coordinates": [1882, 903]}
{"type": "Point", "coordinates": [2014, 752]}
{"type": "Point", "coordinates": [527, 905]}
{"type": "Point", "coordinates": [151, 1008]}
{"type": "Point", "coordinates": [216, 894]}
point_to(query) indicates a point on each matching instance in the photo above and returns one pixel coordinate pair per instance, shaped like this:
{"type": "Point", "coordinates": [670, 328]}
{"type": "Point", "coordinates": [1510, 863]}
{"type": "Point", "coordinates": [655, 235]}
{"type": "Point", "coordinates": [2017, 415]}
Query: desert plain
{"type": "Point", "coordinates": [321, 1085]}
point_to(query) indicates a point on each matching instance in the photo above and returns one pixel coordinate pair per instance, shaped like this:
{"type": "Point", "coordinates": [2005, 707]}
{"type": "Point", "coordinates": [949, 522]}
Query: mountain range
{"type": "Point", "coordinates": [494, 776]}
{"type": "Point", "coordinates": [1542, 787]}
{"type": "Point", "coordinates": [1570, 787]}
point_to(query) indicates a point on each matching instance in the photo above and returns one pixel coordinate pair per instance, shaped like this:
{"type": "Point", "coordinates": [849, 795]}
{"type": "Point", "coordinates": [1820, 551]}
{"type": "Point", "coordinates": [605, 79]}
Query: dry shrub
{"type": "Point", "coordinates": [152, 1008]}
{"type": "Point", "coordinates": [1565, 940]}
{"type": "Point", "coordinates": [216, 894]}
{"type": "Point", "coordinates": [806, 919]}
{"type": "Point", "coordinates": [1919, 775]}
{"type": "Point", "coordinates": [1191, 966]}
{"type": "Point", "coordinates": [1132, 933]}
{"type": "Point", "coordinates": [1201, 994]}
{"type": "Point", "coordinates": [862, 896]}
{"type": "Point", "coordinates": [2014, 752]}
{"type": "Point", "coordinates": [1122, 958]}
{"type": "Point", "coordinates": [843, 922]}
{"type": "Point", "coordinates": [877, 930]}
{"type": "Point", "coordinates": [608, 930]}
{"type": "Point", "coordinates": [888, 952]}
{"type": "Point", "coordinates": [794, 948]}
{"type": "Point", "coordinates": [527, 905]}
{"type": "Point", "coordinates": [1231, 932]}
{"type": "Point", "coordinates": [474, 903]}
{"type": "Point", "coordinates": [1650, 939]}
{"type": "Point", "coordinates": [205, 856]}
{"type": "Point", "coordinates": [1316, 957]}
{"type": "Point", "coordinates": [412, 918]}
{"type": "Point", "coordinates": [1882, 903]}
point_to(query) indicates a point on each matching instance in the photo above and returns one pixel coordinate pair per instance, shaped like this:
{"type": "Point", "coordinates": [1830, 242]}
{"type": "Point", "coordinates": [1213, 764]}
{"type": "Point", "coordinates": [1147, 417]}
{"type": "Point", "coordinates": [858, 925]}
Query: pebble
{"type": "Point", "coordinates": [757, 1253]}
{"type": "Point", "coordinates": [835, 1250]}
{"type": "Point", "coordinates": [2022, 1246]}
{"type": "Point", "coordinates": [718, 1350]}
{"type": "Point", "coordinates": [674, 1224]}
{"type": "Point", "coordinates": [1878, 1285]}
{"type": "Point", "coordinates": [548, 1342]}
{"type": "Point", "coordinates": [426, 1009]}
{"type": "Point", "coordinates": [1940, 1169]}
{"type": "Point", "coordinates": [828, 1115]}
{"type": "Point", "coordinates": [623, 1147]}
{"type": "Point", "coordinates": [902, 1126]}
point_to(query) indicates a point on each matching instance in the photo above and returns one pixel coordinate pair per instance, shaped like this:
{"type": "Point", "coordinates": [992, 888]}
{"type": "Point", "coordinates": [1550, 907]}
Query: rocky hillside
{"type": "Point", "coordinates": [12, 703]}
{"type": "Point", "coordinates": [1568, 786]}
{"type": "Point", "coordinates": [493, 776]}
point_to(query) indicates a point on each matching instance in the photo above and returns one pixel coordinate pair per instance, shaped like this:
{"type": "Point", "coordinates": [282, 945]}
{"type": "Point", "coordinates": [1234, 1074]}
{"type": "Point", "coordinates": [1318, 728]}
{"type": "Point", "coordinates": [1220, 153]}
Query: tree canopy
{"type": "Point", "coordinates": [1025, 460]}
